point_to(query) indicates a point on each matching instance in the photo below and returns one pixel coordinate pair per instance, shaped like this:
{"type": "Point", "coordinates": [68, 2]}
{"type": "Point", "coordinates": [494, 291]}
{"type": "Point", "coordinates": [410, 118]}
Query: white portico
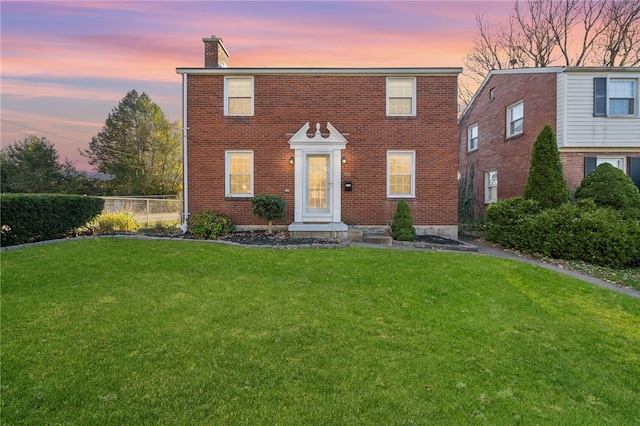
{"type": "Point", "coordinates": [317, 195]}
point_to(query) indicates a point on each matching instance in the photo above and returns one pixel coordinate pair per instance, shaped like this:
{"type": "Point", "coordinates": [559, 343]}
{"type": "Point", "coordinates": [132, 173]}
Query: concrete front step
{"type": "Point", "coordinates": [376, 238]}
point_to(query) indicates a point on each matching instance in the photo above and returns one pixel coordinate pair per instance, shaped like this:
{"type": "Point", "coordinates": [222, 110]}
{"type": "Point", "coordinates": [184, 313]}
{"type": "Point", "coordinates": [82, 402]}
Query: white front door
{"type": "Point", "coordinates": [317, 188]}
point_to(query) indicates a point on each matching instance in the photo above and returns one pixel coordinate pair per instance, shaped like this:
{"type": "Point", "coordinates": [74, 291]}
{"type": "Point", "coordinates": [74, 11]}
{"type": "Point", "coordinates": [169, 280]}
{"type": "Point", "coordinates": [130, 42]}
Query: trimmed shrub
{"type": "Point", "coordinates": [210, 224]}
{"type": "Point", "coordinates": [546, 183]}
{"type": "Point", "coordinates": [506, 218]}
{"type": "Point", "coordinates": [584, 231]}
{"type": "Point", "coordinates": [608, 186]}
{"type": "Point", "coordinates": [402, 228]}
{"type": "Point", "coordinates": [36, 217]}
{"type": "Point", "coordinates": [268, 207]}
{"type": "Point", "coordinates": [115, 222]}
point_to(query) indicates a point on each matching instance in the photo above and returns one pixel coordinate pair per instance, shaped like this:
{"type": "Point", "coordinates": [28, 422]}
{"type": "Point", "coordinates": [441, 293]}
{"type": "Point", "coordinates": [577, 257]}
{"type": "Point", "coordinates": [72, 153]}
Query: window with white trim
{"type": "Point", "coordinates": [490, 186]}
{"type": "Point", "coordinates": [238, 96]}
{"type": "Point", "coordinates": [515, 119]}
{"type": "Point", "coordinates": [401, 96]}
{"type": "Point", "coordinates": [617, 162]}
{"type": "Point", "coordinates": [239, 173]}
{"type": "Point", "coordinates": [472, 138]}
{"type": "Point", "coordinates": [401, 179]}
{"type": "Point", "coordinates": [615, 97]}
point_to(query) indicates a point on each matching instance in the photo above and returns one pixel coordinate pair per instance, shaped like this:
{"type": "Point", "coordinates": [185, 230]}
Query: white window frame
{"type": "Point", "coordinates": [412, 155]}
{"type": "Point", "coordinates": [510, 109]}
{"type": "Point", "coordinates": [622, 161]}
{"type": "Point", "coordinates": [487, 185]}
{"type": "Point", "coordinates": [472, 142]}
{"type": "Point", "coordinates": [634, 81]}
{"type": "Point", "coordinates": [227, 174]}
{"type": "Point", "coordinates": [226, 95]}
{"type": "Point", "coordinates": [413, 96]}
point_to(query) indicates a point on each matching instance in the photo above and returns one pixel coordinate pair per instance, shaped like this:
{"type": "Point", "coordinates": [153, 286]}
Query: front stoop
{"type": "Point", "coordinates": [377, 238]}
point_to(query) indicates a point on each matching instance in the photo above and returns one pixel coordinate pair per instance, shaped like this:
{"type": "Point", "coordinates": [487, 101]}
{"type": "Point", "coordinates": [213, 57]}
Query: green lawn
{"type": "Point", "coordinates": [121, 331]}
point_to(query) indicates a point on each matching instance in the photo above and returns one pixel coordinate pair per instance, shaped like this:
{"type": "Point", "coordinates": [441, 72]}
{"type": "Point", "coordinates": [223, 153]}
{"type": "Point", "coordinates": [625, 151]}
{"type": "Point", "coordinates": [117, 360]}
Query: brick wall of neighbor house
{"type": "Point", "coordinates": [356, 106]}
{"type": "Point", "coordinates": [573, 164]}
{"type": "Point", "coordinates": [510, 156]}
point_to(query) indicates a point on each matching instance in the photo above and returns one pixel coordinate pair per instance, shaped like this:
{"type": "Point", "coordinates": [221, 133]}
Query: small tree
{"type": "Point", "coordinates": [402, 228]}
{"type": "Point", "coordinates": [608, 186]}
{"type": "Point", "coordinates": [268, 207]}
{"type": "Point", "coordinates": [546, 183]}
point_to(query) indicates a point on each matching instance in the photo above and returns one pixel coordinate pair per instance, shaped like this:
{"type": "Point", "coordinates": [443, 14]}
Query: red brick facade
{"type": "Point", "coordinates": [511, 157]}
{"type": "Point", "coordinates": [355, 104]}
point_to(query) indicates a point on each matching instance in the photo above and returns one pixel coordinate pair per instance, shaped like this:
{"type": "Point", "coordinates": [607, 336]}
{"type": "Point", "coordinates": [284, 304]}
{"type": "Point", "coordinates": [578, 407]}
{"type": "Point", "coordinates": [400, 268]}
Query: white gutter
{"type": "Point", "coordinates": [322, 71]}
{"type": "Point", "coordinates": [185, 166]}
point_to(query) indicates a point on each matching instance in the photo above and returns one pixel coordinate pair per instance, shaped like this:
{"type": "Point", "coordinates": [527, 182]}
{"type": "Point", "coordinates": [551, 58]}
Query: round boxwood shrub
{"type": "Point", "coordinates": [608, 186]}
{"type": "Point", "coordinates": [402, 228]}
{"type": "Point", "coordinates": [210, 224]}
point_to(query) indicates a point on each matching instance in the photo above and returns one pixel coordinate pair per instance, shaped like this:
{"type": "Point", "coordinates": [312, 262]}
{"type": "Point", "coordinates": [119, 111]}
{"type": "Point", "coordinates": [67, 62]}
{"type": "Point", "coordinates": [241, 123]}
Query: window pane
{"type": "Point", "coordinates": [318, 167]}
{"type": "Point", "coordinates": [400, 88]}
{"type": "Point", "coordinates": [400, 174]}
{"type": "Point", "coordinates": [621, 89]}
{"type": "Point", "coordinates": [516, 126]}
{"type": "Point", "coordinates": [240, 173]}
{"type": "Point", "coordinates": [517, 111]}
{"type": "Point", "coordinates": [621, 106]}
{"type": "Point", "coordinates": [399, 106]}
{"type": "Point", "coordinates": [239, 105]}
{"type": "Point", "coordinates": [239, 87]}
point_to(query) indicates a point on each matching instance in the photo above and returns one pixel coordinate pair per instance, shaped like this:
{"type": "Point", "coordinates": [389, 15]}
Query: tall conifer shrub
{"type": "Point", "coordinates": [546, 183]}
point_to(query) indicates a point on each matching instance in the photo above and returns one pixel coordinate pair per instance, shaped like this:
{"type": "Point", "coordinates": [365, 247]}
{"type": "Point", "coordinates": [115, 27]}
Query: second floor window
{"type": "Point", "coordinates": [614, 97]}
{"type": "Point", "coordinates": [238, 96]}
{"type": "Point", "coordinates": [401, 96]}
{"type": "Point", "coordinates": [472, 139]}
{"type": "Point", "coordinates": [515, 119]}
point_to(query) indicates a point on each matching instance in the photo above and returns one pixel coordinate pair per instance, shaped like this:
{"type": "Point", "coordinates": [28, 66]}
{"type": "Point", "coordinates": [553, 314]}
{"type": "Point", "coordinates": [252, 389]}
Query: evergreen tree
{"type": "Point", "coordinates": [402, 228]}
{"type": "Point", "coordinates": [546, 183]}
{"type": "Point", "coordinates": [31, 165]}
{"type": "Point", "coordinates": [139, 147]}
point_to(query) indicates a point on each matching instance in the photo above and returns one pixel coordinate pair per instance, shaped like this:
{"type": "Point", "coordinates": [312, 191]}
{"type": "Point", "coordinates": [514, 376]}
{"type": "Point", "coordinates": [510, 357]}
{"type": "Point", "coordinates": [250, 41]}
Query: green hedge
{"type": "Point", "coordinates": [573, 231]}
{"type": "Point", "coordinates": [36, 217]}
{"type": "Point", "coordinates": [506, 218]}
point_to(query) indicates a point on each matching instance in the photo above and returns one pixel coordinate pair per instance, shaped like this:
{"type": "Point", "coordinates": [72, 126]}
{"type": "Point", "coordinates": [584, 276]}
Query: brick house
{"type": "Point", "coordinates": [341, 145]}
{"type": "Point", "coordinates": [593, 111]}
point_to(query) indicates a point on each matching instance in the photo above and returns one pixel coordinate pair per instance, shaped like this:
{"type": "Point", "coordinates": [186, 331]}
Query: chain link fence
{"type": "Point", "coordinates": [147, 211]}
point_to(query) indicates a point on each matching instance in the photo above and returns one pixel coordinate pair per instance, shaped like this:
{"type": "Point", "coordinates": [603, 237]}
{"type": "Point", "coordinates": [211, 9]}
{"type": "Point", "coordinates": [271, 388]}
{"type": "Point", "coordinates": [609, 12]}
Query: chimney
{"type": "Point", "coordinates": [215, 54]}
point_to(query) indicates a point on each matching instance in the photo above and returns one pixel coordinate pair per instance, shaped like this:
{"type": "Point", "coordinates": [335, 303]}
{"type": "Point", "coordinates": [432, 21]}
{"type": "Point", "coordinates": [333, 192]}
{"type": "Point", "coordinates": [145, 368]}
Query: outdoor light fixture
{"type": "Point", "coordinates": [292, 160]}
{"type": "Point", "coordinates": [344, 160]}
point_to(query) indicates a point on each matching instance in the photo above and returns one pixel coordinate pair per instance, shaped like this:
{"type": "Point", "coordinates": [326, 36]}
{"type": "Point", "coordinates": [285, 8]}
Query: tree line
{"type": "Point", "coordinates": [138, 150]}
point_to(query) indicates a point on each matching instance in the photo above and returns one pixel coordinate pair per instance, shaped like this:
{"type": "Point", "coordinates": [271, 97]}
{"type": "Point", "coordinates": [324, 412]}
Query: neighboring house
{"type": "Point", "coordinates": [341, 145]}
{"type": "Point", "coordinates": [595, 113]}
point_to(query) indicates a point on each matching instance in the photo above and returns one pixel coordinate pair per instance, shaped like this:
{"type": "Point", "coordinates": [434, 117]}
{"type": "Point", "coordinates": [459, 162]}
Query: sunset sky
{"type": "Point", "coordinates": [66, 65]}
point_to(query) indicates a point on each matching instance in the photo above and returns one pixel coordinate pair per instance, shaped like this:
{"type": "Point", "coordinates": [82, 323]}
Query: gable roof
{"type": "Point", "coordinates": [540, 70]}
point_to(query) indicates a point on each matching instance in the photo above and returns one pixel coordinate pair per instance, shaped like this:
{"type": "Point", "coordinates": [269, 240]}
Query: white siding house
{"type": "Point", "coordinates": [607, 120]}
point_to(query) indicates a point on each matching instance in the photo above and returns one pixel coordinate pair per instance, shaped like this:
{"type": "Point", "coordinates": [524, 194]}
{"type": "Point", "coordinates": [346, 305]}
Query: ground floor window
{"type": "Point", "coordinates": [490, 186]}
{"type": "Point", "coordinates": [239, 173]}
{"type": "Point", "coordinates": [401, 180]}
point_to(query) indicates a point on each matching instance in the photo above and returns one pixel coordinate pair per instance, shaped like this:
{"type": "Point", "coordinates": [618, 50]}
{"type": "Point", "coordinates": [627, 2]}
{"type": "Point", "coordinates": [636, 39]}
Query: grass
{"type": "Point", "coordinates": [118, 331]}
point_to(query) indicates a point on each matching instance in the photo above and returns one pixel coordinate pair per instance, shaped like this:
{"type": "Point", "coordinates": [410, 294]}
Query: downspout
{"type": "Point", "coordinates": [185, 163]}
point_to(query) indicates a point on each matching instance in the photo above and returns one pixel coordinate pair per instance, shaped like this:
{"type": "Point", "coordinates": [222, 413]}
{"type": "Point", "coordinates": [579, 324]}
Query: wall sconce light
{"type": "Point", "coordinates": [292, 160]}
{"type": "Point", "coordinates": [344, 160]}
